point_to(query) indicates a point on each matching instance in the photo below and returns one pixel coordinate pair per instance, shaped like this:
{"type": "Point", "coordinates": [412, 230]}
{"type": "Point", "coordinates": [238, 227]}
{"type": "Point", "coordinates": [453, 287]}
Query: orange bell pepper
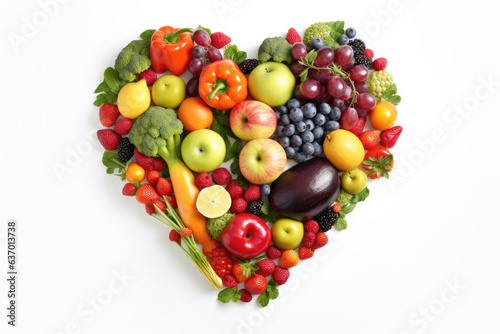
{"type": "Point", "coordinates": [222, 84]}
{"type": "Point", "coordinates": [170, 49]}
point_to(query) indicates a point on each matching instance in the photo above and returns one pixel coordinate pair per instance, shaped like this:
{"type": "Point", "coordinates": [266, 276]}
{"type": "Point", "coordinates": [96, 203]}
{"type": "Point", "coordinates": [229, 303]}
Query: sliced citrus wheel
{"type": "Point", "coordinates": [213, 201]}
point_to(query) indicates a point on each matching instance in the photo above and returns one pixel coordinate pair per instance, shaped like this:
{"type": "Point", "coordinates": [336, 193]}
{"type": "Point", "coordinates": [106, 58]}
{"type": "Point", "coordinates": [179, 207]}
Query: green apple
{"type": "Point", "coordinates": [168, 91]}
{"type": "Point", "coordinates": [354, 181]}
{"type": "Point", "coordinates": [203, 150]}
{"type": "Point", "coordinates": [262, 160]}
{"type": "Point", "coordinates": [287, 233]}
{"type": "Point", "coordinates": [271, 83]}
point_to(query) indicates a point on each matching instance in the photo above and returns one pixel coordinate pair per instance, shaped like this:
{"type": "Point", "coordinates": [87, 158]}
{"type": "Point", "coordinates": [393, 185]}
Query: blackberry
{"type": "Point", "coordinates": [255, 208]}
{"type": "Point", "coordinates": [125, 150]}
{"type": "Point", "coordinates": [358, 46]}
{"type": "Point", "coordinates": [326, 219]}
{"type": "Point", "coordinates": [363, 60]}
{"type": "Point", "coordinates": [248, 65]}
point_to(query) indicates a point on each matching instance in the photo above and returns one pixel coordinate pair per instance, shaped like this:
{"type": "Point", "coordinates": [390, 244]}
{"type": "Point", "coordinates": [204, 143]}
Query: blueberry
{"type": "Point", "coordinates": [307, 137]}
{"type": "Point", "coordinates": [318, 150]}
{"type": "Point", "coordinates": [343, 40]}
{"type": "Point", "coordinates": [335, 114]}
{"type": "Point", "coordinates": [289, 130]}
{"type": "Point", "coordinates": [265, 190]}
{"type": "Point", "coordinates": [278, 115]}
{"type": "Point", "coordinates": [300, 157]}
{"type": "Point", "coordinates": [350, 32]}
{"type": "Point", "coordinates": [318, 132]}
{"type": "Point", "coordinates": [325, 108]}
{"type": "Point", "coordinates": [332, 125]}
{"type": "Point", "coordinates": [293, 103]}
{"type": "Point", "coordinates": [296, 115]}
{"type": "Point", "coordinates": [285, 142]}
{"type": "Point", "coordinates": [309, 110]}
{"type": "Point", "coordinates": [309, 124]}
{"type": "Point", "coordinates": [296, 148]}
{"type": "Point", "coordinates": [285, 119]}
{"type": "Point", "coordinates": [290, 153]}
{"type": "Point", "coordinates": [282, 110]}
{"type": "Point", "coordinates": [296, 140]}
{"type": "Point", "coordinates": [279, 130]}
{"type": "Point", "coordinates": [308, 148]}
{"type": "Point", "coordinates": [317, 43]}
{"type": "Point", "coordinates": [300, 126]}
{"type": "Point", "coordinates": [319, 119]}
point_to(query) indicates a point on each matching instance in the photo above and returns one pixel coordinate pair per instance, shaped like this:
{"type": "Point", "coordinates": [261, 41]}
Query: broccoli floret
{"type": "Point", "coordinates": [275, 49]}
{"type": "Point", "coordinates": [344, 198]}
{"type": "Point", "coordinates": [157, 133]}
{"type": "Point", "coordinates": [132, 60]}
{"type": "Point", "coordinates": [327, 31]}
{"type": "Point", "coordinates": [215, 226]}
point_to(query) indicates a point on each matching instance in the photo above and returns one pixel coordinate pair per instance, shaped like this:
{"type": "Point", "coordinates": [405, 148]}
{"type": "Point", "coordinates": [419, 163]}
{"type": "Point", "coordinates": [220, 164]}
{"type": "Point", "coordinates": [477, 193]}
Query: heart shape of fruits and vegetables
{"type": "Point", "coordinates": [318, 99]}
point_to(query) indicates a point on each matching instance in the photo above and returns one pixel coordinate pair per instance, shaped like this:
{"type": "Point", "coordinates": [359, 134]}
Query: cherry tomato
{"type": "Point", "coordinates": [384, 115]}
{"type": "Point", "coordinates": [135, 173]}
{"type": "Point", "coordinates": [377, 166]}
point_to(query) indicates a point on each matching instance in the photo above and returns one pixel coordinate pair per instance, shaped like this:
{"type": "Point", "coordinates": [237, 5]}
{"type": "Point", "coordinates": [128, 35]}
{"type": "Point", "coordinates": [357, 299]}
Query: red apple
{"type": "Point", "coordinates": [262, 160]}
{"type": "Point", "coordinates": [252, 120]}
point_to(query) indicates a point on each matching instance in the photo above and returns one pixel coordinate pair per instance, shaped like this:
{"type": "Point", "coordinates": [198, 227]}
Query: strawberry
{"type": "Point", "coordinates": [337, 207]}
{"type": "Point", "coordinates": [243, 270]}
{"type": "Point", "coordinates": [219, 40]}
{"type": "Point", "coordinates": [229, 281]}
{"type": "Point", "coordinates": [246, 297]}
{"type": "Point", "coordinates": [221, 176]}
{"type": "Point", "coordinates": [369, 53]}
{"type": "Point", "coordinates": [369, 139]}
{"type": "Point", "coordinates": [289, 258]}
{"type": "Point", "coordinates": [239, 205]}
{"type": "Point", "coordinates": [186, 232]}
{"type": "Point", "coordinates": [171, 200]}
{"type": "Point", "coordinates": [252, 193]}
{"type": "Point", "coordinates": [174, 236]}
{"type": "Point", "coordinates": [149, 163]}
{"type": "Point", "coordinates": [305, 253]}
{"type": "Point", "coordinates": [108, 139]}
{"type": "Point", "coordinates": [360, 125]}
{"type": "Point", "coordinates": [389, 137]}
{"type": "Point", "coordinates": [146, 194]}
{"type": "Point", "coordinates": [309, 239]}
{"type": "Point", "coordinates": [281, 275]}
{"type": "Point", "coordinates": [164, 187]}
{"type": "Point", "coordinates": [203, 180]}
{"type": "Point", "coordinates": [129, 189]}
{"type": "Point", "coordinates": [108, 114]}
{"type": "Point", "coordinates": [149, 75]}
{"type": "Point", "coordinates": [123, 126]}
{"type": "Point", "coordinates": [321, 240]}
{"type": "Point", "coordinates": [150, 209]}
{"type": "Point", "coordinates": [256, 284]}
{"type": "Point", "coordinates": [266, 267]}
{"type": "Point", "coordinates": [292, 36]}
{"type": "Point", "coordinates": [311, 226]}
{"type": "Point", "coordinates": [273, 253]}
{"type": "Point", "coordinates": [153, 176]}
{"type": "Point", "coordinates": [380, 64]}
{"type": "Point", "coordinates": [234, 189]}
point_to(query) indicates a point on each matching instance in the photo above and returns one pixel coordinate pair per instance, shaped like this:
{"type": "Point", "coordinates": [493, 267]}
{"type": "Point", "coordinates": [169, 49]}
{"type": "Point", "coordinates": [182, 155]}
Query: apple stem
{"type": "Point", "coordinates": [267, 70]}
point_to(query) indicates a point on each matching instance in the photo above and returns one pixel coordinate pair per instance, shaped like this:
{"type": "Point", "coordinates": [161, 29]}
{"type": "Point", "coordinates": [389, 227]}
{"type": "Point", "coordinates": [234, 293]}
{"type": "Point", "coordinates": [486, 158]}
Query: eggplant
{"type": "Point", "coordinates": [305, 190]}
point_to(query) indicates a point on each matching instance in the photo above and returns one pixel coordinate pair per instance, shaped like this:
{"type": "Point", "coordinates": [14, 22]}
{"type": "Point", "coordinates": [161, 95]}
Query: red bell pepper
{"type": "Point", "coordinates": [171, 49]}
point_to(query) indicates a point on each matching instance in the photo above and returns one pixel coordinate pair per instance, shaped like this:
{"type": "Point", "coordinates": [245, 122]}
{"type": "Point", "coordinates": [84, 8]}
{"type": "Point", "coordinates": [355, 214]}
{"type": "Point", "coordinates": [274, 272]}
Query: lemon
{"type": "Point", "coordinates": [134, 99]}
{"type": "Point", "coordinates": [343, 149]}
{"type": "Point", "coordinates": [213, 201]}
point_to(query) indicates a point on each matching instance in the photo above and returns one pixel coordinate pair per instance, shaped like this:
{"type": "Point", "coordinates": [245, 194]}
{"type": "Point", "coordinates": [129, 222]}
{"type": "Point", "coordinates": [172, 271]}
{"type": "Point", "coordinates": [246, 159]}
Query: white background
{"type": "Point", "coordinates": [433, 226]}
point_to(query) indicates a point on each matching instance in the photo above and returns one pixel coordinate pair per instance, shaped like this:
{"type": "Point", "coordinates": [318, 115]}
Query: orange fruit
{"type": "Point", "coordinates": [195, 114]}
{"type": "Point", "coordinates": [135, 173]}
{"type": "Point", "coordinates": [384, 115]}
{"type": "Point", "coordinates": [289, 258]}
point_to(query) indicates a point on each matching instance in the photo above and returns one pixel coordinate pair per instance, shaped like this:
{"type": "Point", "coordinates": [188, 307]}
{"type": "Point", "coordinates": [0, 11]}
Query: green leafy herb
{"type": "Point", "coordinates": [337, 29]}
{"type": "Point", "coordinates": [206, 29]}
{"type": "Point", "coordinates": [229, 295]}
{"type": "Point", "coordinates": [110, 160]}
{"type": "Point", "coordinates": [311, 57]}
{"type": "Point", "coordinates": [270, 293]}
{"type": "Point", "coordinates": [240, 179]}
{"type": "Point", "coordinates": [360, 197]}
{"type": "Point", "coordinates": [346, 209]}
{"type": "Point", "coordinates": [303, 74]}
{"type": "Point", "coordinates": [269, 215]}
{"type": "Point", "coordinates": [232, 150]}
{"type": "Point", "coordinates": [113, 80]}
{"type": "Point", "coordinates": [391, 95]}
{"type": "Point", "coordinates": [147, 34]}
{"type": "Point", "coordinates": [232, 52]}
{"type": "Point", "coordinates": [109, 88]}
{"type": "Point", "coordinates": [341, 223]}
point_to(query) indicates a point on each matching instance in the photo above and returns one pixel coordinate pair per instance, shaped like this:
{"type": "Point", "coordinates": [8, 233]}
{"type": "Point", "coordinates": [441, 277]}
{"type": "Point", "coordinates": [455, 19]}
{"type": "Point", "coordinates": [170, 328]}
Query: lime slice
{"type": "Point", "coordinates": [213, 201]}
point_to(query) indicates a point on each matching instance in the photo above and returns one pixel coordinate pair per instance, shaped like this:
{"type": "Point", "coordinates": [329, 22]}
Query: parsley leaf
{"type": "Point", "coordinates": [229, 295]}
{"type": "Point", "coordinates": [270, 293]}
{"type": "Point", "coordinates": [390, 95]}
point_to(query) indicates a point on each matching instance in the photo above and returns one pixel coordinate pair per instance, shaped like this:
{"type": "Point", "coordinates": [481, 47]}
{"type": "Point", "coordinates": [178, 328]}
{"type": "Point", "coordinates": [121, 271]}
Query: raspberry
{"type": "Point", "coordinates": [129, 189]}
{"type": "Point", "coordinates": [305, 253]}
{"type": "Point", "coordinates": [221, 176]}
{"type": "Point", "coordinates": [164, 187]}
{"type": "Point", "coordinates": [246, 297]}
{"type": "Point", "coordinates": [186, 232]}
{"type": "Point", "coordinates": [219, 40]}
{"type": "Point", "coordinates": [220, 260]}
{"type": "Point", "coordinates": [309, 239]}
{"type": "Point", "coordinates": [174, 236]}
{"type": "Point", "coordinates": [239, 205]}
{"type": "Point", "coordinates": [229, 281]}
{"type": "Point", "coordinates": [281, 275]}
{"type": "Point", "coordinates": [149, 75]}
{"type": "Point", "coordinates": [123, 126]}
{"type": "Point", "coordinates": [293, 36]}
{"type": "Point", "coordinates": [311, 226]}
{"type": "Point", "coordinates": [203, 180]}
{"type": "Point", "coordinates": [153, 176]}
{"type": "Point", "coordinates": [252, 193]}
{"type": "Point", "coordinates": [378, 82]}
{"type": "Point", "coordinates": [234, 189]}
{"type": "Point", "coordinates": [380, 64]}
{"type": "Point", "coordinates": [321, 240]}
{"type": "Point", "coordinates": [369, 53]}
{"type": "Point", "coordinates": [273, 253]}
{"type": "Point", "coordinates": [266, 267]}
